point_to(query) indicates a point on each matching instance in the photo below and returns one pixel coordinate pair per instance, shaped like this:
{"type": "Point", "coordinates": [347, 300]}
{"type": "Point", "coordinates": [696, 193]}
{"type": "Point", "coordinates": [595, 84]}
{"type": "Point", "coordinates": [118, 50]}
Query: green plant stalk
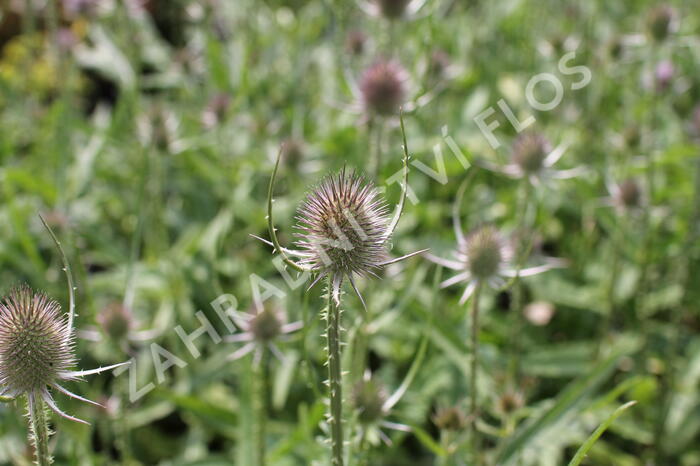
{"type": "Point", "coordinates": [335, 418]}
{"type": "Point", "coordinates": [39, 430]}
{"type": "Point", "coordinates": [260, 375]}
{"type": "Point", "coordinates": [606, 324]}
{"type": "Point", "coordinates": [473, 410]}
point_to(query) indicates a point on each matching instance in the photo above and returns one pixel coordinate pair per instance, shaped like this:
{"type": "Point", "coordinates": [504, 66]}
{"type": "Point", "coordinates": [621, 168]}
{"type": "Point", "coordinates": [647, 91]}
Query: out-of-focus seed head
{"type": "Point", "coordinates": [294, 152]}
{"type": "Point", "coordinates": [663, 75]}
{"type": "Point", "coordinates": [616, 48]}
{"type": "Point", "coordinates": [267, 324]}
{"type": "Point", "coordinates": [35, 342]}
{"type": "Point", "coordinates": [660, 22]}
{"type": "Point", "coordinates": [383, 88]}
{"type": "Point", "coordinates": [484, 252]}
{"type": "Point", "coordinates": [116, 321]}
{"type": "Point", "coordinates": [530, 149]}
{"type": "Point", "coordinates": [632, 136]}
{"type": "Point", "coordinates": [451, 419]}
{"type": "Point", "coordinates": [355, 42]}
{"type": "Point", "coordinates": [216, 109]}
{"type": "Point", "coordinates": [342, 224]}
{"type": "Point", "coordinates": [368, 398]}
{"type": "Point", "coordinates": [629, 194]}
{"type": "Point", "coordinates": [439, 64]}
{"type": "Point", "coordinates": [392, 9]}
{"type": "Point", "coordinates": [510, 401]}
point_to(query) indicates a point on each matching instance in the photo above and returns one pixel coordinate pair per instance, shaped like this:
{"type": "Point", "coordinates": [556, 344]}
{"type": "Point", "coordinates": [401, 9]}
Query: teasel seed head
{"type": "Point", "coordinates": [510, 401]}
{"type": "Point", "coordinates": [116, 321]}
{"type": "Point", "coordinates": [451, 418]}
{"type": "Point", "coordinates": [383, 88]}
{"type": "Point", "coordinates": [356, 42]}
{"type": "Point", "coordinates": [530, 150]}
{"type": "Point", "coordinates": [629, 194]}
{"type": "Point", "coordinates": [36, 344]}
{"type": "Point", "coordinates": [392, 9]}
{"type": "Point", "coordinates": [661, 22]}
{"type": "Point", "coordinates": [368, 397]}
{"type": "Point", "coordinates": [484, 251]}
{"type": "Point", "coordinates": [342, 225]}
{"type": "Point", "coordinates": [267, 324]}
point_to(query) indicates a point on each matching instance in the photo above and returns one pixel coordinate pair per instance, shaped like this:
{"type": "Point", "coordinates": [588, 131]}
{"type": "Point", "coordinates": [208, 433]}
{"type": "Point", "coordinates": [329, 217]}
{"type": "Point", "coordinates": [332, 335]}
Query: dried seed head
{"type": "Point", "coordinates": [530, 150]}
{"type": "Point", "coordinates": [35, 342]}
{"type": "Point", "coordinates": [629, 194]}
{"type": "Point", "coordinates": [451, 419]}
{"type": "Point", "coordinates": [383, 88]}
{"type": "Point", "coordinates": [266, 325]}
{"type": "Point", "coordinates": [116, 321]}
{"type": "Point", "coordinates": [342, 225]}
{"type": "Point", "coordinates": [368, 398]}
{"type": "Point", "coordinates": [392, 9]}
{"type": "Point", "coordinates": [660, 21]}
{"type": "Point", "coordinates": [484, 252]}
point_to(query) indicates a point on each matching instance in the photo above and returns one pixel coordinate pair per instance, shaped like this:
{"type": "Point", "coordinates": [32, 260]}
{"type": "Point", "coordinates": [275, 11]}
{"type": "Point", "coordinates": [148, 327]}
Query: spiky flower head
{"type": "Point", "coordinates": [368, 397]}
{"type": "Point", "coordinates": [383, 87]}
{"type": "Point", "coordinates": [530, 150]}
{"type": "Point", "coordinates": [392, 9]}
{"type": "Point", "coordinates": [116, 321]}
{"type": "Point", "coordinates": [663, 75]}
{"type": "Point", "coordinates": [451, 418]}
{"type": "Point", "coordinates": [266, 325]}
{"type": "Point", "coordinates": [510, 401]}
{"type": "Point", "coordinates": [661, 22]}
{"type": "Point", "coordinates": [629, 194]}
{"type": "Point", "coordinates": [484, 252]}
{"type": "Point", "coordinates": [35, 342]}
{"type": "Point", "coordinates": [342, 225]}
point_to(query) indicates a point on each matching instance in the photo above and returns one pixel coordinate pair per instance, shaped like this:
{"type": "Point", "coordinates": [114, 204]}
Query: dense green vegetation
{"type": "Point", "coordinates": [145, 132]}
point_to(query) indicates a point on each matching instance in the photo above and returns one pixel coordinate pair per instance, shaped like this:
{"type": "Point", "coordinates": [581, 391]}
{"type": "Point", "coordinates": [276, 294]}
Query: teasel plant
{"type": "Point", "coordinates": [259, 330]}
{"type": "Point", "coordinates": [343, 231]}
{"type": "Point", "coordinates": [37, 354]}
{"type": "Point", "coordinates": [483, 258]}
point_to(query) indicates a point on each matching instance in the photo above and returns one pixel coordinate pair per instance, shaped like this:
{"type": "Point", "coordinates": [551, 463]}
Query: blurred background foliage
{"type": "Point", "coordinates": [145, 132]}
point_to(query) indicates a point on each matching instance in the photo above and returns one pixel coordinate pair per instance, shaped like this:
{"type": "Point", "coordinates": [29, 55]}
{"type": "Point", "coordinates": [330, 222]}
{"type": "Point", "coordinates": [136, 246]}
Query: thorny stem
{"type": "Point", "coordinates": [39, 430]}
{"type": "Point", "coordinates": [473, 410]}
{"type": "Point", "coordinates": [67, 270]}
{"type": "Point", "coordinates": [335, 418]}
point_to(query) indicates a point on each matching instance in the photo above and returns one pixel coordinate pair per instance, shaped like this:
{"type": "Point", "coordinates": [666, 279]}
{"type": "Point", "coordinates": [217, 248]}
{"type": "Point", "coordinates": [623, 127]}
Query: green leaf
{"type": "Point", "coordinates": [588, 444]}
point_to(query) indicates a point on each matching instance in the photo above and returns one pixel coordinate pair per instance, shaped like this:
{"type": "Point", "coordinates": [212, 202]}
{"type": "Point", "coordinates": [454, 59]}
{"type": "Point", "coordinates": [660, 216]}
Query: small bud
{"type": "Point", "coordinates": [509, 402]}
{"type": "Point", "coordinates": [35, 342]}
{"type": "Point", "coordinates": [368, 398]}
{"type": "Point", "coordinates": [663, 75]}
{"type": "Point", "coordinates": [530, 149]}
{"type": "Point", "coordinates": [661, 22]}
{"type": "Point", "coordinates": [383, 88]}
{"type": "Point", "coordinates": [356, 42]}
{"type": "Point", "coordinates": [629, 194]}
{"type": "Point", "coordinates": [450, 419]}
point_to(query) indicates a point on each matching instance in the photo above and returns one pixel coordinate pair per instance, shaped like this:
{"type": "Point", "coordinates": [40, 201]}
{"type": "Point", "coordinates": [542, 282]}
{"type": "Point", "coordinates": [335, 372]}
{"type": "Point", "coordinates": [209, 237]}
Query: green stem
{"type": "Point", "coordinates": [473, 410]}
{"type": "Point", "coordinates": [335, 418]}
{"type": "Point", "coordinates": [40, 430]}
{"type": "Point", "coordinates": [260, 374]}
